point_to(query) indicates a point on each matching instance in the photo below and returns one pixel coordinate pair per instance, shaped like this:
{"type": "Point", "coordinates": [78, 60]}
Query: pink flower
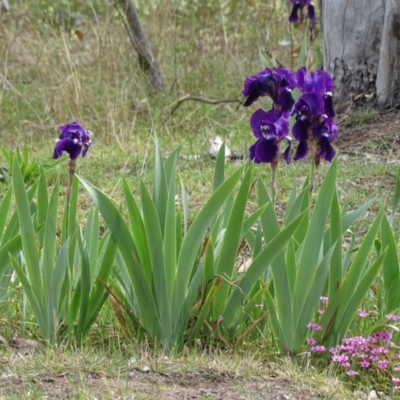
{"type": "Point", "coordinates": [340, 359]}
{"type": "Point", "coordinates": [334, 350]}
{"type": "Point", "coordinates": [382, 364]}
{"type": "Point", "coordinates": [352, 373]}
{"type": "Point", "coordinates": [383, 335]}
{"type": "Point", "coordinates": [316, 349]}
{"type": "Point", "coordinates": [396, 369]}
{"type": "Point", "coordinates": [365, 364]}
{"type": "Point", "coordinates": [386, 336]}
{"type": "Point", "coordinates": [392, 317]}
{"type": "Point", "coordinates": [314, 327]}
{"type": "Point", "coordinates": [311, 341]}
{"type": "Point", "coordinates": [395, 379]}
{"type": "Point", "coordinates": [379, 350]}
{"type": "Point", "coordinates": [345, 364]}
{"type": "Point", "coordinates": [396, 387]}
{"type": "Point", "coordinates": [361, 313]}
{"type": "Point", "coordinates": [364, 348]}
{"type": "Point", "coordinates": [323, 299]}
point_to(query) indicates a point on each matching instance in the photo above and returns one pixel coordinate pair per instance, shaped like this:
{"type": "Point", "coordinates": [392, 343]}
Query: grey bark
{"type": "Point", "coordinates": [362, 48]}
{"type": "Point", "coordinates": [142, 46]}
{"type": "Point", "coordinates": [352, 37]}
{"type": "Point", "coordinates": [388, 79]}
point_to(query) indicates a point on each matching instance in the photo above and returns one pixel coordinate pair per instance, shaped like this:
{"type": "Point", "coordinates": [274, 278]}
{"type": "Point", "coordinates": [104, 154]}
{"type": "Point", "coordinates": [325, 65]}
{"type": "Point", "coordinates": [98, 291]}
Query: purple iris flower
{"type": "Point", "coordinates": [315, 136]}
{"type": "Point", "coordinates": [278, 85]}
{"type": "Point", "coordinates": [74, 139]}
{"type": "Point", "coordinates": [320, 83]}
{"type": "Point", "coordinates": [298, 6]}
{"type": "Point", "coordinates": [314, 127]}
{"type": "Point", "coordinates": [270, 128]}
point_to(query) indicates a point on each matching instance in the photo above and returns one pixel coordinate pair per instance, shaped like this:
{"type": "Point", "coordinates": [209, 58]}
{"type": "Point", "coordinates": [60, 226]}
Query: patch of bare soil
{"type": "Point", "coordinates": [152, 385]}
{"type": "Point", "coordinates": [369, 133]}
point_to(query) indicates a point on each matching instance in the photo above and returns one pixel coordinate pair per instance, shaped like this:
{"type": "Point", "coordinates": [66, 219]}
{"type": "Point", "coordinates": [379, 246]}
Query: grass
{"type": "Point", "coordinates": [140, 372]}
{"type": "Point", "coordinates": [49, 77]}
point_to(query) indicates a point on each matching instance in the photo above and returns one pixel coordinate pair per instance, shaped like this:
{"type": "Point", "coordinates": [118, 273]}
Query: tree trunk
{"type": "Point", "coordinates": [388, 79]}
{"type": "Point", "coordinates": [362, 47]}
{"type": "Point", "coordinates": [142, 46]}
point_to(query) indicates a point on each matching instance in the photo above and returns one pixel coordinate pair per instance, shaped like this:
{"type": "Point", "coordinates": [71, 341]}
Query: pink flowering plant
{"type": "Point", "coordinates": [374, 357]}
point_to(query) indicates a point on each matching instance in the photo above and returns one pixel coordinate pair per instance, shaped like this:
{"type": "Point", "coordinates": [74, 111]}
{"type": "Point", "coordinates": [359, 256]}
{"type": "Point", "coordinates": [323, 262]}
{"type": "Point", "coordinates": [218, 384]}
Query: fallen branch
{"type": "Point", "coordinates": [201, 100]}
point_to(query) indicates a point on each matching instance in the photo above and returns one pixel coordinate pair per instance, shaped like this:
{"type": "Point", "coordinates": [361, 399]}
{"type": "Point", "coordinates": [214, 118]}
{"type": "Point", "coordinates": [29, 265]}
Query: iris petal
{"type": "Point", "coordinates": [285, 100]}
{"type": "Point", "coordinates": [302, 150]}
{"type": "Point", "coordinates": [272, 83]}
{"type": "Point", "coordinates": [311, 13]}
{"type": "Point", "coordinates": [294, 15]}
{"type": "Point", "coordinates": [286, 153]}
{"type": "Point", "coordinates": [259, 85]}
{"type": "Point", "coordinates": [71, 147]}
{"type": "Point", "coordinates": [300, 74]}
{"type": "Point", "coordinates": [289, 76]}
{"type": "Point", "coordinates": [254, 91]}
{"type": "Point", "coordinates": [327, 152]}
{"type": "Point", "coordinates": [74, 130]}
{"type": "Point", "coordinates": [300, 128]}
{"type": "Point", "coordinates": [256, 121]}
{"type": "Point", "coordinates": [266, 150]}
{"type": "Point", "coordinates": [334, 131]}
{"type": "Point", "coordinates": [310, 104]}
{"type": "Point", "coordinates": [328, 106]}
{"type": "Point", "coordinates": [326, 128]}
{"type": "Point", "coordinates": [252, 153]}
{"type": "Point", "coordinates": [85, 149]}
{"type": "Point", "coordinates": [317, 81]}
{"type": "Point", "coordinates": [282, 127]}
{"type": "Point", "coordinates": [328, 82]}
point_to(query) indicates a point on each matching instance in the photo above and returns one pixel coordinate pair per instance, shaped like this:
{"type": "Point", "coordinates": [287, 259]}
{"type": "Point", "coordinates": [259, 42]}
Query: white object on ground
{"type": "Point", "coordinates": [215, 145]}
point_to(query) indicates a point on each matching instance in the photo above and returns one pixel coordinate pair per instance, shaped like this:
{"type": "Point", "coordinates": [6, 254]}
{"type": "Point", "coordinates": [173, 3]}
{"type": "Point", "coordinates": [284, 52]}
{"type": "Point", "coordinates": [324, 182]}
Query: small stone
{"type": "Point", "coordinates": [215, 145]}
{"type": "Point", "coordinates": [373, 395]}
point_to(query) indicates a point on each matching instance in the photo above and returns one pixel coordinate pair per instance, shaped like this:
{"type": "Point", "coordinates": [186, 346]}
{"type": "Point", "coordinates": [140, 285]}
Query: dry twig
{"type": "Point", "coordinates": [202, 100]}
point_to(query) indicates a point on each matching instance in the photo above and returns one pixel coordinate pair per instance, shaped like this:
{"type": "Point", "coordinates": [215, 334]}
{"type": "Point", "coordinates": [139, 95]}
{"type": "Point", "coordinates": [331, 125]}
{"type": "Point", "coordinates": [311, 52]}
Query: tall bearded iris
{"type": "Point", "coordinates": [278, 85]}
{"type": "Point", "coordinates": [314, 127]}
{"type": "Point", "coordinates": [270, 128]}
{"type": "Point", "coordinates": [74, 140]}
{"type": "Point", "coordinates": [298, 7]}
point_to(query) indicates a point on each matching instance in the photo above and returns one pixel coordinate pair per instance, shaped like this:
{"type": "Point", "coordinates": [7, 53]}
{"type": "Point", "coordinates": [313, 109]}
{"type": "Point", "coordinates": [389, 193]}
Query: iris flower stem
{"type": "Point", "coordinates": [312, 175]}
{"type": "Point", "coordinates": [71, 171]}
{"type": "Point", "coordinates": [273, 182]}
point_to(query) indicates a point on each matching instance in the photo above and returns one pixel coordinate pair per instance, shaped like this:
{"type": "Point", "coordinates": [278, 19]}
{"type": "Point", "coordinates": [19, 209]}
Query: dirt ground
{"type": "Point", "coordinates": [367, 131]}
{"type": "Point", "coordinates": [152, 385]}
